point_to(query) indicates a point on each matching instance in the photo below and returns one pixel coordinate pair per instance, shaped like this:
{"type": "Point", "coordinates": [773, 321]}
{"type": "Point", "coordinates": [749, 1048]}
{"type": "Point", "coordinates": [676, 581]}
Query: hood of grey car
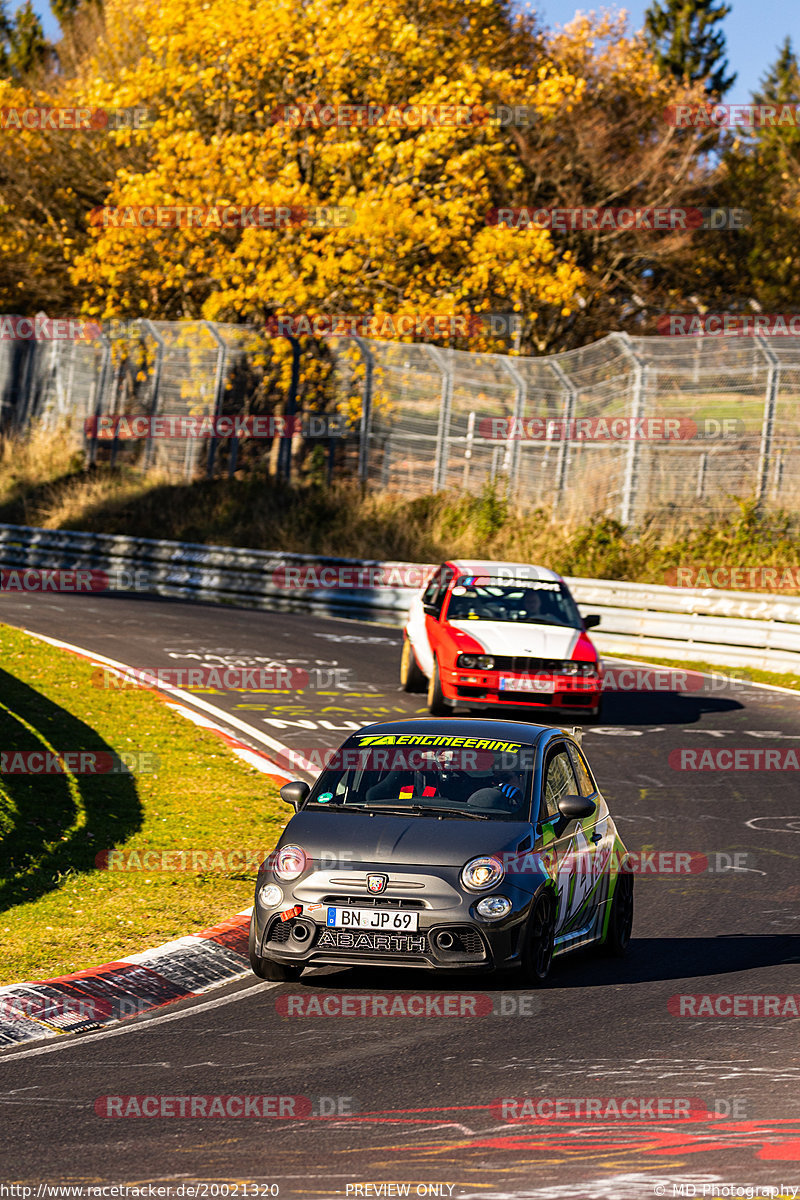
{"type": "Point", "coordinates": [413, 841]}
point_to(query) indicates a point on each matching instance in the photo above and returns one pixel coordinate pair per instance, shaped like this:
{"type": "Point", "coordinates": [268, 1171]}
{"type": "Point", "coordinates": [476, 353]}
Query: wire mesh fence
{"type": "Point", "coordinates": [627, 426]}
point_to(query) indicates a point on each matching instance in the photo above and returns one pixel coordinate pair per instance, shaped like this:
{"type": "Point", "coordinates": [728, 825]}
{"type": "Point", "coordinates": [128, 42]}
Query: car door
{"type": "Point", "coordinates": [568, 846]}
{"type": "Point", "coordinates": [597, 831]}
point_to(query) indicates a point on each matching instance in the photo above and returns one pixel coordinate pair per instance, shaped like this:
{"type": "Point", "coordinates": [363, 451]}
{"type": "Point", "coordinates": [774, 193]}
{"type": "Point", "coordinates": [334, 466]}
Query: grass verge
{"type": "Point", "coordinates": [58, 911]}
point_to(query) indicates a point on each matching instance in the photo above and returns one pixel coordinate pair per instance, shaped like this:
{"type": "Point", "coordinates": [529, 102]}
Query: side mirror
{"type": "Point", "coordinates": [575, 808]}
{"type": "Point", "coordinates": [294, 793]}
{"type": "Point", "coordinates": [431, 610]}
{"type": "Point", "coordinates": [592, 621]}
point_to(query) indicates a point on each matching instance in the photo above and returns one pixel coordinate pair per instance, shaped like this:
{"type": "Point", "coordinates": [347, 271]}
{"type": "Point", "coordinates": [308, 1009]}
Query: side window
{"type": "Point", "coordinates": [586, 785]}
{"type": "Point", "coordinates": [559, 780]}
{"type": "Point", "coordinates": [432, 590]}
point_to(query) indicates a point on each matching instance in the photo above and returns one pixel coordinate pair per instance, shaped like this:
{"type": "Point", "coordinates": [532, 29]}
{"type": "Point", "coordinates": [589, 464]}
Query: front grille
{"type": "Point", "coordinates": [468, 940]}
{"type": "Point", "coordinates": [528, 666]}
{"type": "Point", "coordinates": [373, 901]}
{"type": "Point", "coordinates": [280, 931]}
{"type": "Point", "coordinates": [467, 943]}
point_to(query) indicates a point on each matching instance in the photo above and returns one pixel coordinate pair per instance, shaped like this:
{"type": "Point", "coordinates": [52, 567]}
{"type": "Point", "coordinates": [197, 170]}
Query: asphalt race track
{"type": "Point", "coordinates": [417, 1100]}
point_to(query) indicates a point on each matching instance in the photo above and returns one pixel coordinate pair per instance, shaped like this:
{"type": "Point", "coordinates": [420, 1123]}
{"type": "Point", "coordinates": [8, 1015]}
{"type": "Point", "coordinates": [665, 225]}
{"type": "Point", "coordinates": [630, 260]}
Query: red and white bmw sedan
{"type": "Point", "coordinates": [503, 634]}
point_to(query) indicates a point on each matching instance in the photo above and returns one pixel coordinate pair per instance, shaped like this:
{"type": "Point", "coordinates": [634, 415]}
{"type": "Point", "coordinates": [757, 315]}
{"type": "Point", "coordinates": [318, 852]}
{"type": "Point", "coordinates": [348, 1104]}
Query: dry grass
{"type": "Point", "coordinates": [43, 483]}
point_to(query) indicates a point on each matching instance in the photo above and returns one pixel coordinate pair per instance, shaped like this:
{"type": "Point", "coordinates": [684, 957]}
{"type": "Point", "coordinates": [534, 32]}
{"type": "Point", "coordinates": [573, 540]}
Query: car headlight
{"type": "Point", "coordinates": [270, 895]}
{"type": "Point", "coordinates": [472, 662]}
{"type": "Point", "coordinates": [493, 907]}
{"type": "Point", "coordinates": [571, 667]}
{"type": "Point", "coordinates": [289, 862]}
{"type": "Point", "coordinates": [482, 873]}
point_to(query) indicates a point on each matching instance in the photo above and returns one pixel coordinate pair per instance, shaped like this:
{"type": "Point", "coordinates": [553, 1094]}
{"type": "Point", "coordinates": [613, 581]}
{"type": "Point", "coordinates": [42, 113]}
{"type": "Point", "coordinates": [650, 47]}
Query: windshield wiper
{"type": "Point", "coordinates": [413, 810]}
{"type": "Point", "coordinates": [456, 812]}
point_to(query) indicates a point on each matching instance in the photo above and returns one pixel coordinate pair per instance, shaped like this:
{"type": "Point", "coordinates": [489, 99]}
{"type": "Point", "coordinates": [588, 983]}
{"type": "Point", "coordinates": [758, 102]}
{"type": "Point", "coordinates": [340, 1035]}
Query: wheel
{"type": "Point", "coordinates": [436, 704]}
{"type": "Point", "coordinates": [596, 713]}
{"type": "Point", "coordinates": [411, 678]}
{"type": "Point", "coordinates": [620, 921]}
{"type": "Point", "coordinates": [537, 954]}
{"type": "Point", "coordinates": [267, 968]}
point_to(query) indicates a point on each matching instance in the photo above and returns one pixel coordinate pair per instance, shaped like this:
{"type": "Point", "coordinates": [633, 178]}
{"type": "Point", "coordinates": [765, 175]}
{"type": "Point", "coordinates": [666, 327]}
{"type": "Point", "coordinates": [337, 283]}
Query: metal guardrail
{"type": "Point", "coordinates": [726, 628]}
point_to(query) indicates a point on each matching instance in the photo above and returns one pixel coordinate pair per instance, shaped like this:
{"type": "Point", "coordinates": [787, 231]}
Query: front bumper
{"type": "Point", "coordinates": [482, 689]}
{"type": "Point", "coordinates": [450, 936]}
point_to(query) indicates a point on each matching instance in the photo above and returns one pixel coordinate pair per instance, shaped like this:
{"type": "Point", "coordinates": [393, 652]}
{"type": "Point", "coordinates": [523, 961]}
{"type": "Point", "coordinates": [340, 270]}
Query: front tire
{"type": "Point", "coordinates": [537, 955]}
{"type": "Point", "coordinates": [620, 921]}
{"type": "Point", "coordinates": [436, 704]}
{"type": "Point", "coordinates": [268, 968]}
{"type": "Point", "coordinates": [411, 678]}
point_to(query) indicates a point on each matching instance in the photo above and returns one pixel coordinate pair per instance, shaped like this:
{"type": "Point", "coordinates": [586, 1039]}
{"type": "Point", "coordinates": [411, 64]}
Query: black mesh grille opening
{"type": "Point", "coordinates": [468, 941]}
{"type": "Point", "coordinates": [280, 931]}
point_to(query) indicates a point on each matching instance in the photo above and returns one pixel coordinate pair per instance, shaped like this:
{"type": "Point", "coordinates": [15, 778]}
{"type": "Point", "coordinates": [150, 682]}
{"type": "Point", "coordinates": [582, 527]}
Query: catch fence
{"type": "Point", "coordinates": [627, 426]}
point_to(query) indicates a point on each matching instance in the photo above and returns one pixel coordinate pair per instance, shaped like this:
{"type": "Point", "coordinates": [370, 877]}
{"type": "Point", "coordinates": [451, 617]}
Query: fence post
{"type": "Point", "coordinates": [637, 399]}
{"type": "Point", "coordinates": [150, 328]}
{"type": "Point", "coordinates": [513, 447]}
{"type": "Point", "coordinates": [99, 396]}
{"type": "Point", "coordinates": [570, 394]}
{"type": "Point", "coordinates": [219, 380]}
{"type": "Point", "coordinates": [443, 429]}
{"type": "Point", "coordinates": [768, 422]}
{"type": "Point", "coordinates": [365, 429]}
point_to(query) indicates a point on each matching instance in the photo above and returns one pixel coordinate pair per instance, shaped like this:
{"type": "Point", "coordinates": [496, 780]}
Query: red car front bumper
{"type": "Point", "coordinates": [485, 688]}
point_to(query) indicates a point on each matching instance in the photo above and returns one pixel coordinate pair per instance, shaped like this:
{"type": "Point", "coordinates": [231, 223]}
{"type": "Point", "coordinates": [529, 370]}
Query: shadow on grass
{"type": "Point", "coordinates": [41, 842]}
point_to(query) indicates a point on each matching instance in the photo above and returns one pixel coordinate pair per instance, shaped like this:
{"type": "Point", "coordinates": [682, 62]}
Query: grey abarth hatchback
{"type": "Point", "coordinates": [454, 845]}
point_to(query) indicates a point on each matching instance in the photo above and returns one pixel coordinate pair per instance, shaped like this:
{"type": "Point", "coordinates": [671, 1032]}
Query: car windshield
{"type": "Point", "coordinates": [539, 603]}
{"type": "Point", "coordinates": [426, 775]}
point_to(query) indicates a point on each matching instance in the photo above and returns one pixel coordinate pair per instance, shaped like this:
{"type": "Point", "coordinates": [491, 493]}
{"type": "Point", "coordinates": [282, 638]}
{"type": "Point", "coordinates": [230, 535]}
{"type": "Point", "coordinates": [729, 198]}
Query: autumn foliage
{"type": "Point", "coordinates": [215, 76]}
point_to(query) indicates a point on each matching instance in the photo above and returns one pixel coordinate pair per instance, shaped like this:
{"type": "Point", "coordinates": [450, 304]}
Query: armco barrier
{"type": "Point", "coordinates": [726, 628]}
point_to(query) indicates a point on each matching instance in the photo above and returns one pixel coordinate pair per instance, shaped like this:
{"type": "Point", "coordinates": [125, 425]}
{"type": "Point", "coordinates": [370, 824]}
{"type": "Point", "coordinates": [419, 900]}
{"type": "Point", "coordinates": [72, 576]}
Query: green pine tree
{"type": "Point", "coordinates": [686, 44]}
{"type": "Point", "coordinates": [28, 47]}
{"type": "Point", "coordinates": [781, 84]}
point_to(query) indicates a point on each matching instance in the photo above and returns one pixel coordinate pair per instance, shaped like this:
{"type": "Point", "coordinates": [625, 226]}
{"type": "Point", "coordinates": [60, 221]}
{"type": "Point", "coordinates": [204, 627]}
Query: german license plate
{"type": "Point", "coordinates": [524, 683]}
{"type": "Point", "coordinates": [372, 918]}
